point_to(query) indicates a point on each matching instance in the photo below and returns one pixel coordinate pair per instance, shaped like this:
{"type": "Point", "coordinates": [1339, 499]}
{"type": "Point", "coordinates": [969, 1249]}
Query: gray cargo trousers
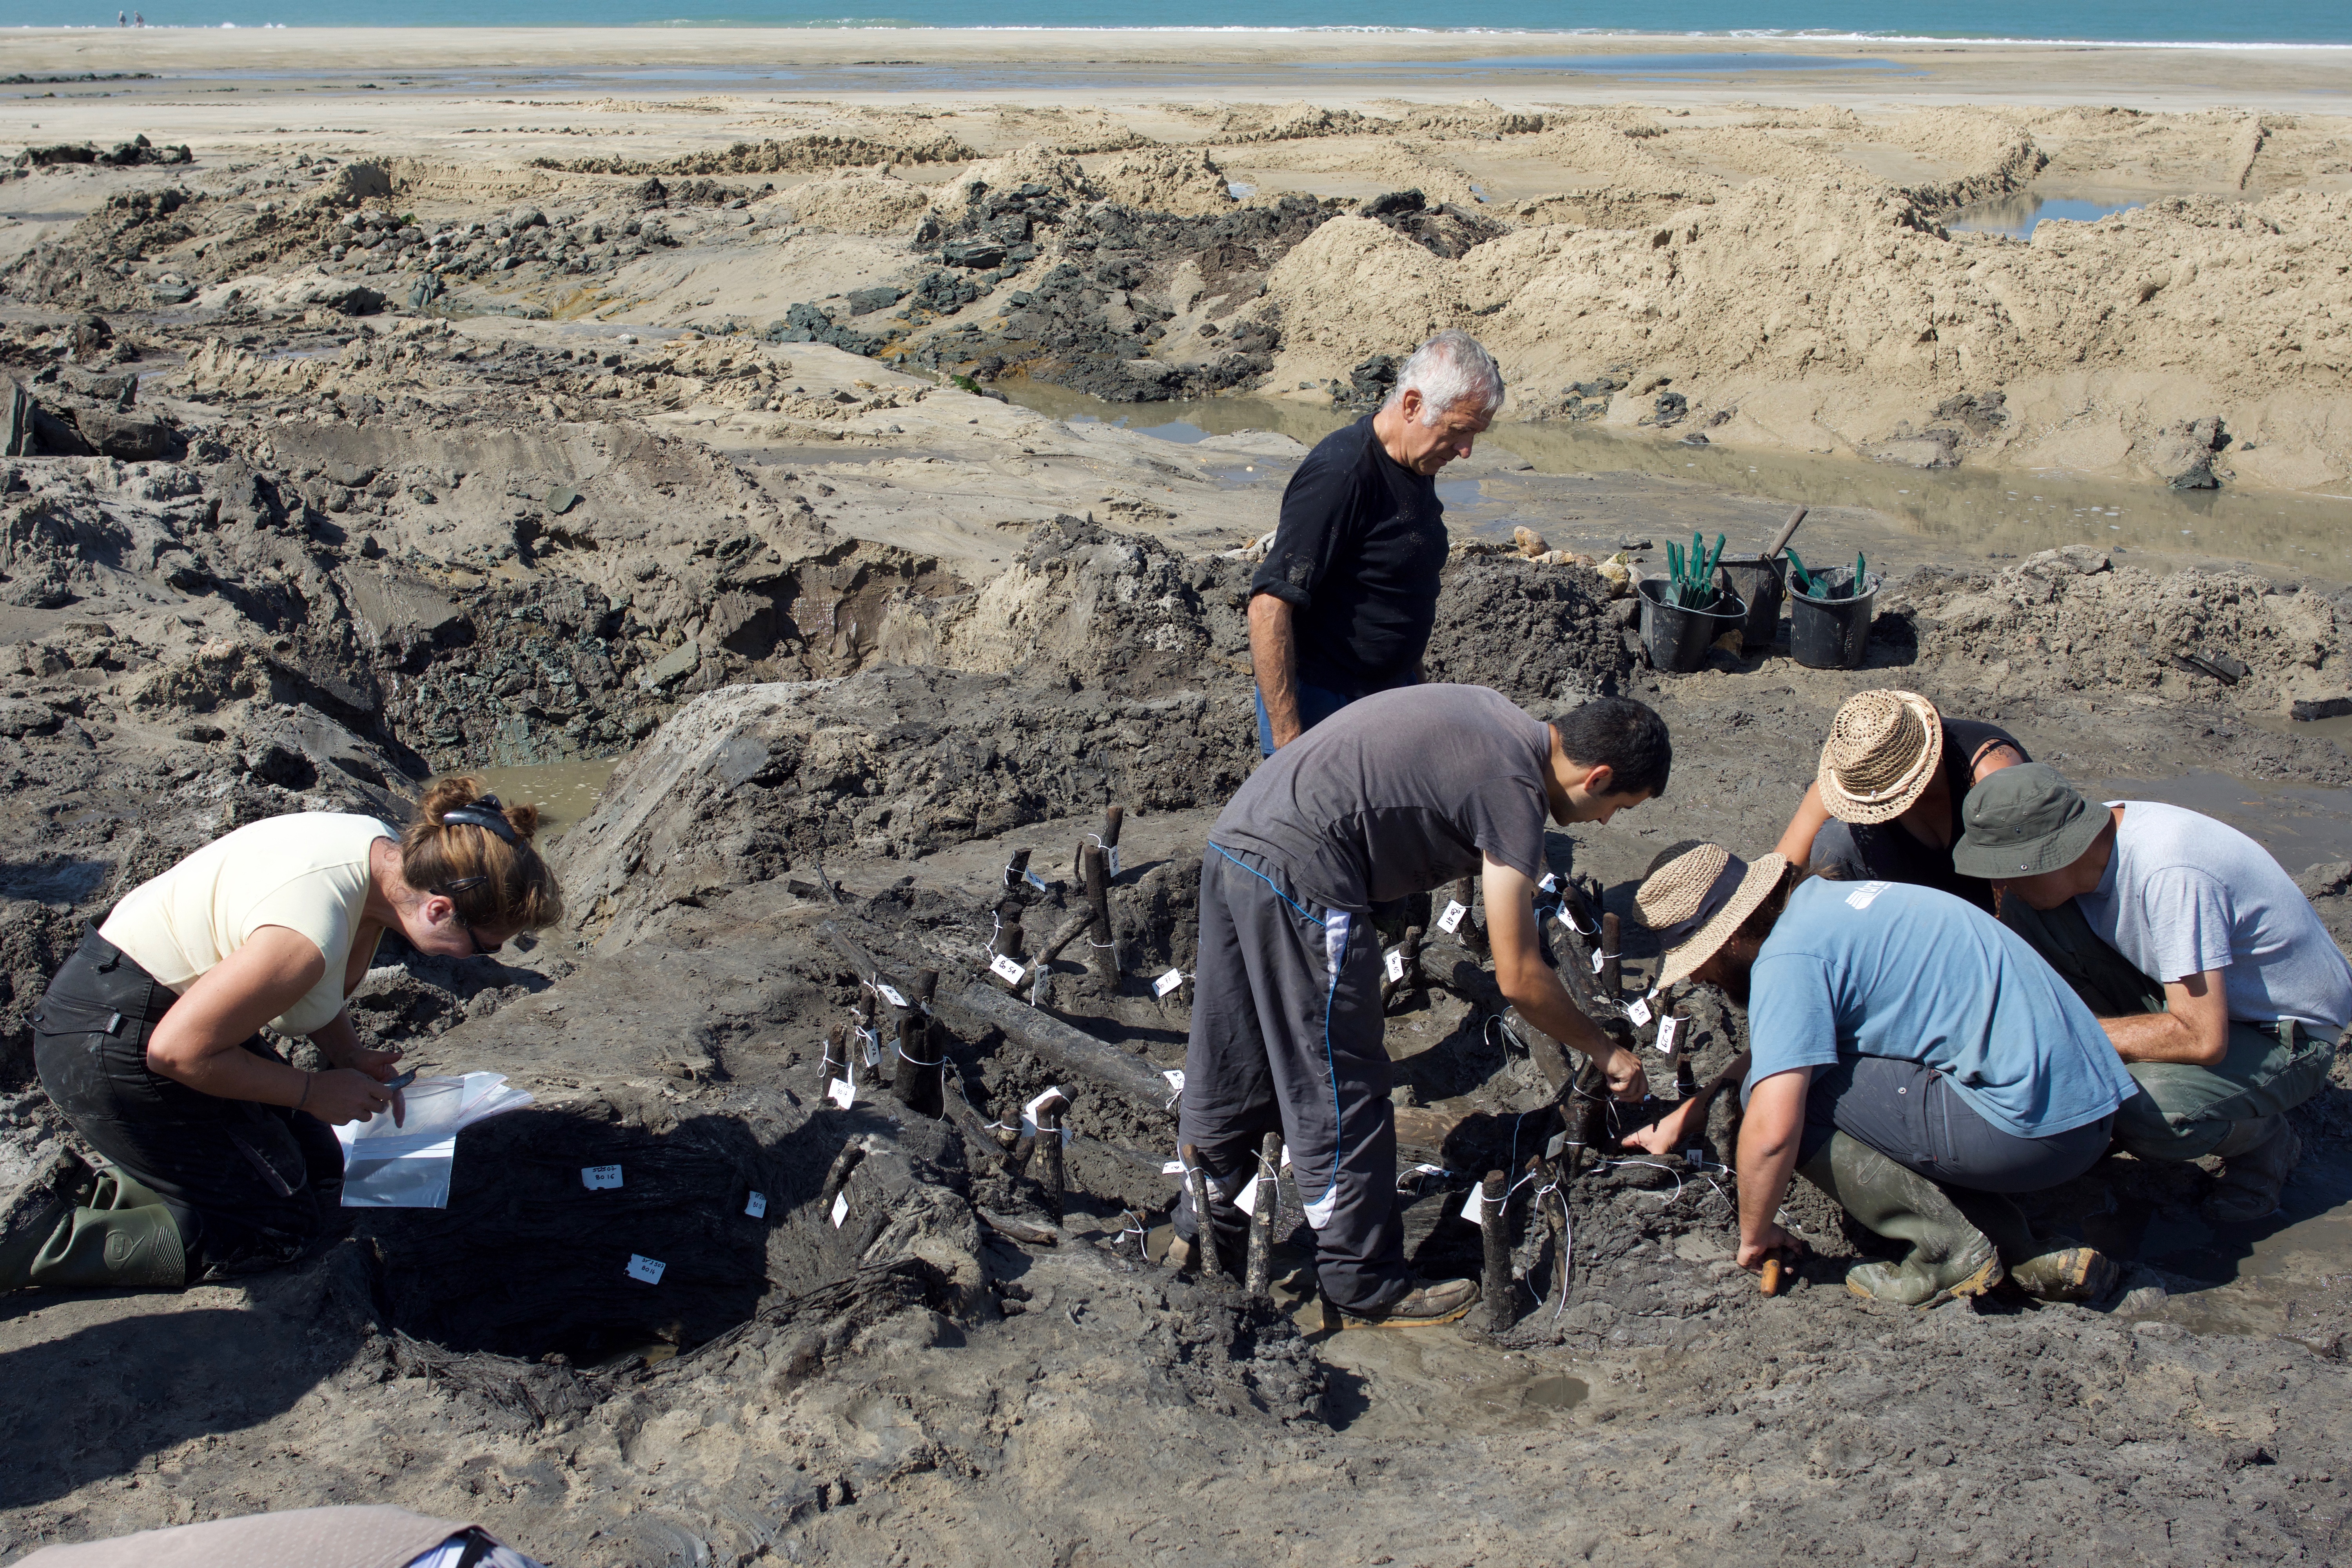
{"type": "Point", "coordinates": [2182, 1113]}
{"type": "Point", "coordinates": [1287, 1037]}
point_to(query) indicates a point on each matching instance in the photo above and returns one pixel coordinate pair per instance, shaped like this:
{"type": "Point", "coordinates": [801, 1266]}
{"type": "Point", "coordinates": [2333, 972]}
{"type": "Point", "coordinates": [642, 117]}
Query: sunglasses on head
{"type": "Point", "coordinates": [450, 890]}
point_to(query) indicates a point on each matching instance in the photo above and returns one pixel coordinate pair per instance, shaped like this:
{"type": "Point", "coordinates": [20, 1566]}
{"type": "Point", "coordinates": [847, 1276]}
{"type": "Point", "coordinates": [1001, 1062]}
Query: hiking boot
{"type": "Point", "coordinates": [36, 1212]}
{"type": "Point", "coordinates": [2052, 1271]}
{"type": "Point", "coordinates": [1426, 1305]}
{"type": "Point", "coordinates": [1948, 1256]}
{"type": "Point", "coordinates": [2257, 1158]}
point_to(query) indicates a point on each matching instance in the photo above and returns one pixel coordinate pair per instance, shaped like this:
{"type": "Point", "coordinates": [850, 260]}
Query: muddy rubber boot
{"type": "Point", "coordinates": [1948, 1256]}
{"type": "Point", "coordinates": [124, 1236]}
{"type": "Point", "coordinates": [1425, 1305]}
{"type": "Point", "coordinates": [2053, 1270]}
{"type": "Point", "coordinates": [36, 1212]}
{"type": "Point", "coordinates": [2257, 1157]}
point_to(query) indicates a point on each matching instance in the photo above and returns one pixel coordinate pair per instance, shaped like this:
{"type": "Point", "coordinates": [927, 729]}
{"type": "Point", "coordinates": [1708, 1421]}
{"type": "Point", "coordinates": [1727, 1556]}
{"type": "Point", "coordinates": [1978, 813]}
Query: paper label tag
{"type": "Point", "coordinates": [1175, 1077]}
{"type": "Point", "coordinates": [1286, 1157]}
{"type": "Point", "coordinates": [1569, 920]}
{"type": "Point", "coordinates": [1110, 861]}
{"type": "Point", "coordinates": [596, 1178]}
{"type": "Point", "coordinates": [1006, 970]}
{"type": "Point", "coordinates": [1395, 966]}
{"type": "Point", "coordinates": [1694, 1156]}
{"type": "Point", "coordinates": [890, 995]}
{"type": "Point", "coordinates": [1246, 1201]}
{"type": "Point", "coordinates": [648, 1269]}
{"type": "Point", "coordinates": [1471, 1210]}
{"type": "Point", "coordinates": [840, 1208]}
{"type": "Point", "coordinates": [1668, 1028]}
{"type": "Point", "coordinates": [1172, 1168]}
{"type": "Point", "coordinates": [873, 1043]}
{"type": "Point", "coordinates": [1861, 898]}
{"type": "Point", "coordinates": [841, 1092]}
{"type": "Point", "coordinates": [756, 1206]}
{"type": "Point", "coordinates": [1639, 1011]}
{"type": "Point", "coordinates": [1451, 920]}
{"type": "Point", "coordinates": [1036, 882]}
{"type": "Point", "coordinates": [1553, 1149]}
{"type": "Point", "coordinates": [1168, 983]}
{"type": "Point", "coordinates": [1597, 960]}
{"type": "Point", "coordinates": [1029, 1111]}
{"type": "Point", "coordinates": [1550, 884]}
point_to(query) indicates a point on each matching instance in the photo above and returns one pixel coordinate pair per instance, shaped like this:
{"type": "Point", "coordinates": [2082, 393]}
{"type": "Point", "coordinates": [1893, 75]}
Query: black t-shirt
{"type": "Point", "coordinates": [1397, 794]}
{"type": "Point", "coordinates": [1362, 541]}
{"type": "Point", "coordinates": [1889, 852]}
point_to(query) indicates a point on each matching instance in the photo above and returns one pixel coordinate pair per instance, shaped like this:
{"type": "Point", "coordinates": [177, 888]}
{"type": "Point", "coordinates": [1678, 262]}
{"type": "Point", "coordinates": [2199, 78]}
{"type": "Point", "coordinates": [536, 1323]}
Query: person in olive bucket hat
{"type": "Point", "coordinates": [2205, 965]}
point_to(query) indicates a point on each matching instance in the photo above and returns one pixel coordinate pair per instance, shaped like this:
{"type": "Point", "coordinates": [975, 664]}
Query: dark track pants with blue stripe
{"type": "Point", "coordinates": [1287, 1037]}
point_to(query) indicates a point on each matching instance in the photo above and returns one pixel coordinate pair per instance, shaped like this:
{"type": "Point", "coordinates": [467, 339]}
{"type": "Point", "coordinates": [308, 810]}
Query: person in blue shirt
{"type": "Point", "coordinates": [1908, 1055]}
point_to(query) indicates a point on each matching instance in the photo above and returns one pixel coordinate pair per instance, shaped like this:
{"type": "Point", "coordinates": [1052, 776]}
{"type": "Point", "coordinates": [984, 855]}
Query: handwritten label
{"type": "Point", "coordinates": [1599, 958]}
{"type": "Point", "coordinates": [1172, 1168]}
{"type": "Point", "coordinates": [1550, 884]}
{"type": "Point", "coordinates": [648, 1269]}
{"type": "Point", "coordinates": [1861, 898]}
{"type": "Point", "coordinates": [756, 1206]}
{"type": "Point", "coordinates": [890, 995]}
{"type": "Point", "coordinates": [873, 1048]}
{"type": "Point", "coordinates": [1669, 1028]}
{"type": "Point", "coordinates": [1110, 861]}
{"type": "Point", "coordinates": [1006, 970]}
{"type": "Point", "coordinates": [1036, 882]}
{"type": "Point", "coordinates": [1029, 1111]}
{"type": "Point", "coordinates": [1451, 920]}
{"type": "Point", "coordinates": [1247, 1199]}
{"type": "Point", "coordinates": [1639, 1011]}
{"type": "Point", "coordinates": [1553, 1149]}
{"type": "Point", "coordinates": [1175, 1077]}
{"type": "Point", "coordinates": [841, 1092]}
{"type": "Point", "coordinates": [840, 1209]}
{"type": "Point", "coordinates": [1168, 983]}
{"type": "Point", "coordinates": [596, 1178]}
{"type": "Point", "coordinates": [1694, 1156]}
{"type": "Point", "coordinates": [1395, 966]}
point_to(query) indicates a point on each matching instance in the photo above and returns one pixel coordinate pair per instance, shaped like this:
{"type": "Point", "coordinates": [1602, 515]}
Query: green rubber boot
{"type": "Point", "coordinates": [2053, 1270]}
{"type": "Point", "coordinates": [1948, 1257]}
{"type": "Point", "coordinates": [38, 1211]}
{"type": "Point", "coordinates": [124, 1236]}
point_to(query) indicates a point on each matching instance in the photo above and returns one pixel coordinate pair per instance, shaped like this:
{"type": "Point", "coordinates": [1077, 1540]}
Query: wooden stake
{"type": "Point", "coordinates": [1049, 1156]}
{"type": "Point", "coordinates": [1104, 945]}
{"type": "Point", "coordinates": [1470, 933]}
{"type": "Point", "coordinates": [1013, 870]}
{"type": "Point", "coordinates": [1409, 954]}
{"type": "Point", "coordinates": [1494, 1224]}
{"type": "Point", "coordinates": [1260, 1279]}
{"type": "Point", "coordinates": [916, 1081]}
{"type": "Point", "coordinates": [837, 1053]}
{"type": "Point", "coordinates": [1204, 1228]}
{"type": "Point", "coordinates": [1112, 818]}
{"type": "Point", "coordinates": [1612, 975]}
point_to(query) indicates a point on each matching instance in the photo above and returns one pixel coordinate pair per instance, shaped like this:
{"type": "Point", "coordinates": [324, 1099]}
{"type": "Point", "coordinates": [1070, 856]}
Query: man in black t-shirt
{"type": "Point", "coordinates": [1403, 792]}
{"type": "Point", "coordinates": [1343, 605]}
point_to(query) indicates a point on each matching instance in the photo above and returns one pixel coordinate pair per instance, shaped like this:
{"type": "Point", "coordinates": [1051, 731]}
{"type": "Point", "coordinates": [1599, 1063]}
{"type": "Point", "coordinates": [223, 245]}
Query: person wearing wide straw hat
{"type": "Point", "coordinates": [1885, 804]}
{"type": "Point", "coordinates": [1909, 1056]}
{"type": "Point", "coordinates": [2204, 962]}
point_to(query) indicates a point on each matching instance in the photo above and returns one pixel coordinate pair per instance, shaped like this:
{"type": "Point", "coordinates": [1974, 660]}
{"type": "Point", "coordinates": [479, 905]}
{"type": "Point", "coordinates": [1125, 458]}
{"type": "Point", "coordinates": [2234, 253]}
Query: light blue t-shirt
{"type": "Point", "coordinates": [2183, 894]}
{"type": "Point", "coordinates": [1889, 968]}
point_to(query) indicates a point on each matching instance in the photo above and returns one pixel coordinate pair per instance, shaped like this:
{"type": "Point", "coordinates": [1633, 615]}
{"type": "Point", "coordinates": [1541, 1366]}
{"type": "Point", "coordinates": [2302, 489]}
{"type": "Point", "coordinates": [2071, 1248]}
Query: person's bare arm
{"type": "Point", "coordinates": [339, 1042]}
{"type": "Point", "coordinates": [1273, 658]}
{"type": "Point", "coordinates": [199, 1042]}
{"type": "Point", "coordinates": [1530, 985]}
{"type": "Point", "coordinates": [1769, 1140]}
{"type": "Point", "coordinates": [1797, 838]}
{"type": "Point", "coordinates": [1678, 1128]}
{"type": "Point", "coordinates": [2195, 1030]}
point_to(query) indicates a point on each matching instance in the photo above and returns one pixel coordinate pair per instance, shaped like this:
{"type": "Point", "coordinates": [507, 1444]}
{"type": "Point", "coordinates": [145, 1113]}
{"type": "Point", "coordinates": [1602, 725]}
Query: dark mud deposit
{"type": "Point", "coordinates": [374, 553]}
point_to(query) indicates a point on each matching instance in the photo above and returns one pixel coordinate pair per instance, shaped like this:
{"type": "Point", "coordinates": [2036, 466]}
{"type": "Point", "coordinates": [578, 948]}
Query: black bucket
{"type": "Point", "coordinates": [1757, 581]}
{"type": "Point", "coordinates": [1831, 634]}
{"type": "Point", "coordinates": [1677, 639]}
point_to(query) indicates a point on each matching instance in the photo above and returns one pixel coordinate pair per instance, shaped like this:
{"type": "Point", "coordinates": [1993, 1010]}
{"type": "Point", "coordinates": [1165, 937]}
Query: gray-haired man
{"type": "Point", "coordinates": [1343, 605]}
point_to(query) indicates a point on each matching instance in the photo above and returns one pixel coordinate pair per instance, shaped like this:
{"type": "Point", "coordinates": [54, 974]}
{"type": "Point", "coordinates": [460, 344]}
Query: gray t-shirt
{"type": "Point", "coordinates": [1397, 794]}
{"type": "Point", "coordinates": [2184, 893]}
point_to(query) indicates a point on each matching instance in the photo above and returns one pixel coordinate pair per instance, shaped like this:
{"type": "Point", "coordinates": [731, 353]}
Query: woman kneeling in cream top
{"type": "Point", "coordinates": [219, 1157]}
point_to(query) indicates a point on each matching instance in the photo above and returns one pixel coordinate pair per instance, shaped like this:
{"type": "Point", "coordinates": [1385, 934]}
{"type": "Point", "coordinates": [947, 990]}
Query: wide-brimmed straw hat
{"type": "Point", "coordinates": [1883, 747]}
{"type": "Point", "coordinates": [1696, 901]}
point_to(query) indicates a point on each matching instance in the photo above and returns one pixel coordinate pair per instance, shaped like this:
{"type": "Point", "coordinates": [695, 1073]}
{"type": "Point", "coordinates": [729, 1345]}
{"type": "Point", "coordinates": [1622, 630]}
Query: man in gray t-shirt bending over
{"type": "Point", "coordinates": [1398, 794]}
{"type": "Point", "coordinates": [2206, 966]}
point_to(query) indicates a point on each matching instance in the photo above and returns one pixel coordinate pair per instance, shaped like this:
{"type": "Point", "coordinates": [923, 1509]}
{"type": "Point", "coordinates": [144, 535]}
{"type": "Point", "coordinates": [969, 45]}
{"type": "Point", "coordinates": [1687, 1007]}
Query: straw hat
{"type": "Point", "coordinates": [1696, 900]}
{"type": "Point", "coordinates": [1883, 747]}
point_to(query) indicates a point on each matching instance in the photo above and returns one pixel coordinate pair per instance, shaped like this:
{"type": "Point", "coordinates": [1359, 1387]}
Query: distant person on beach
{"type": "Point", "coordinates": [2203, 960]}
{"type": "Point", "coordinates": [1342, 607]}
{"type": "Point", "coordinates": [216, 1154]}
{"type": "Point", "coordinates": [1886, 802]}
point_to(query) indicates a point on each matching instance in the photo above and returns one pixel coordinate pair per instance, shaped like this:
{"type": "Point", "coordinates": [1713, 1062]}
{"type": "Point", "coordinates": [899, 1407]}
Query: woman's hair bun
{"type": "Point", "coordinates": [523, 819]}
{"type": "Point", "coordinates": [449, 794]}
{"type": "Point", "coordinates": [500, 883]}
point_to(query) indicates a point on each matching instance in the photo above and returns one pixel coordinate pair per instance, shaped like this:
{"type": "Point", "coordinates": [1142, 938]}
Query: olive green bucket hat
{"type": "Point", "coordinates": [2023, 821]}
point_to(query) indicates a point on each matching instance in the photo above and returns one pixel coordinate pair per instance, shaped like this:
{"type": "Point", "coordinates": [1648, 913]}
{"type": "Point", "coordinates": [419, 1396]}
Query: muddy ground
{"type": "Point", "coordinates": [859, 636]}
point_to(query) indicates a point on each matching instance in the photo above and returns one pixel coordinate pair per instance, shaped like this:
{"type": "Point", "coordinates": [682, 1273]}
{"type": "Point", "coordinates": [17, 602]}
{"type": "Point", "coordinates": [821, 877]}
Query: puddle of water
{"type": "Point", "coordinates": [2300, 826]}
{"type": "Point", "coordinates": [565, 792]}
{"type": "Point", "coordinates": [2015, 215]}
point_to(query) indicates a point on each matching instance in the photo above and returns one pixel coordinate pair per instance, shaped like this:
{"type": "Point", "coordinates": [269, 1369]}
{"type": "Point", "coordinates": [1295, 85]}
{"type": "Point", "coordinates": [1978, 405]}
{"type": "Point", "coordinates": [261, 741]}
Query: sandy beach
{"type": "Point", "coordinates": [832, 464]}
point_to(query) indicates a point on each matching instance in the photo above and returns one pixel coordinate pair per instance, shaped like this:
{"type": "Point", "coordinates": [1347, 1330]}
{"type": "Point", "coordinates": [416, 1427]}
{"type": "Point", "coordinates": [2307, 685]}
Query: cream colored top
{"type": "Point", "coordinates": [307, 871]}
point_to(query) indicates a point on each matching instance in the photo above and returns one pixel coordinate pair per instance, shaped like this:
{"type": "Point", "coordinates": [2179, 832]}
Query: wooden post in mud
{"type": "Point", "coordinates": [1409, 980]}
{"type": "Point", "coordinates": [1495, 1230]}
{"type": "Point", "coordinates": [916, 1080]}
{"type": "Point", "coordinates": [1260, 1278]}
{"type": "Point", "coordinates": [1103, 946]}
{"type": "Point", "coordinates": [1014, 869]}
{"type": "Point", "coordinates": [1049, 1155]}
{"type": "Point", "coordinates": [1204, 1228]}
{"type": "Point", "coordinates": [1612, 973]}
{"type": "Point", "coordinates": [1469, 934]}
{"type": "Point", "coordinates": [837, 1054]}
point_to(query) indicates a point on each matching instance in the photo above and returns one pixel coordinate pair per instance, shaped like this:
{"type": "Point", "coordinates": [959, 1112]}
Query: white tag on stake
{"type": "Point", "coordinates": [1246, 1200]}
{"type": "Point", "coordinates": [1029, 1111]}
{"type": "Point", "coordinates": [1550, 884]}
{"type": "Point", "coordinates": [1172, 1168]}
{"type": "Point", "coordinates": [1451, 920]}
{"type": "Point", "coordinates": [596, 1178]}
{"type": "Point", "coordinates": [1006, 970]}
{"type": "Point", "coordinates": [1668, 1028]}
{"type": "Point", "coordinates": [1472, 1210]}
{"type": "Point", "coordinates": [1395, 966]}
{"type": "Point", "coordinates": [873, 1048]}
{"type": "Point", "coordinates": [1694, 1156]}
{"type": "Point", "coordinates": [1036, 882]}
{"type": "Point", "coordinates": [1599, 958]}
{"type": "Point", "coordinates": [1639, 1011]}
{"type": "Point", "coordinates": [840, 1208]}
{"type": "Point", "coordinates": [1168, 983]}
{"type": "Point", "coordinates": [756, 1206]}
{"type": "Point", "coordinates": [841, 1092]}
{"type": "Point", "coordinates": [1110, 861]}
{"type": "Point", "coordinates": [1175, 1077]}
{"type": "Point", "coordinates": [890, 995]}
{"type": "Point", "coordinates": [648, 1269]}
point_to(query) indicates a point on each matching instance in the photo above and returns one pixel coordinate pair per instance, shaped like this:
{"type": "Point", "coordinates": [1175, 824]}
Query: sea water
{"type": "Point", "coordinates": [2171, 22]}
